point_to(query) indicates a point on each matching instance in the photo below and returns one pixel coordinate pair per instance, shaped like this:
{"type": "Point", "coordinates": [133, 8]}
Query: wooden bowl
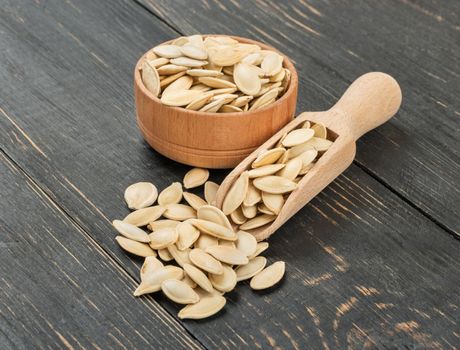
{"type": "Point", "coordinates": [211, 140]}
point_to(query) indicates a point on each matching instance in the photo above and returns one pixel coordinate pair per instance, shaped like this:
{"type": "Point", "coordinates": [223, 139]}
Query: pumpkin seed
{"type": "Point", "coordinates": [205, 241]}
{"type": "Point", "coordinates": [171, 194]}
{"type": "Point", "coordinates": [213, 214]}
{"type": "Point", "coordinates": [179, 212]}
{"type": "Point", "coordinates": [308, 156]}
{"type": "Point", "coordinates": [158, 62]}
{"type": "Point", "coordinates": [274, 184]}
{"type": "Point", "coordinates": [278, 76]}
{"type": "Point", "coordinates": [170, 69]}
{"type": "Point", "coordinates": [251, 269]}
{"type": "Point", "coordinates": [264, 209]}
{"type": "Point", "coordinates": [241, 101]}
{"type": "Point", "coordinates": [151, 78]}
{"type": "Point", "coordinates": [167, 51]}
{"type": "Point", "coordinates": [179, 97]}
{"type": "Point", "coordinates": [264, 99]}
{"type": "Point", "coordinates": [165, 255]}
{"type": "Point", "coordinates": [246, 243]}
{"type": "Point", "coordinates": [265, 170]}
{"type": "Point", "coordinates": [142, 217]}
{"type": "Point", "coordinates": [320, 130]}
{"type": "Point", "coordinates": [238, 217]}
{"type": "Point", "coordinates": [253, 195]}
{"type": "Point", "coordinates": [140, 195]}
{"type": "Point", "coordinates": [236, 194]}
{"type": "Point", "coordinates": [210, 190]}
{"type": "Point", "coordinates": [188, 62]}
{"type": "Point", "coordinates": [181, 256]}
{"type": "Point", "coordinates": [152, 283]}
{"type": "Point", "coordinates": [258, 221]}
{"type": "Point", "coordinates": [253, 59]}
{"type": "Point", "coordinates": [214, 229]}
{"type": "Point", "coordinates": [204, 73]}
{"type": "Point", "coordinates": [187, 235]}
{"type": "Point", "coordinates": [213, 107]}
{"type": "Point", "coordinates": [261, 247]}
{"type": "Point", "coordinates": [249, 211]}
{"type": "Point", "coordinates": [193, 51]}
{"type": "Point", "coordinates": [227, 243]}
{"type": "Point", "coordinates": [189, 281]}
{"type": "Point", "coordinates": [227, 98]}
{"type": "Point", "coordinates": [199, 102]}
{"type": "Point", "coordinates": [199, 277]}
{"type": "Point", "coordinates": [151, 265]}
{"type": "Point", "coordinates": [134, 247]}
{"type": "Point", "coordinates": [169, 79]}
{"type": "Point", "coordinates": [159, 224]}
{"type": "Point", "coordinates": [224, 282]}
{"type": "Point", "coordinates": [306, 125]}
{"type": "Point", "coordinates": [306, 168]}
{"type": "Point", "coordinates": [246, 79]}
{"type": "Point", "coordinates": [131, 231]}
{"type": "Point", "coordinates": [269, 276]}
{"type": "Point", "coordinates": [181, 41]}
{"type": "Point", "coordinates": [297, 137]}
{"type": "Point", "coordinates": [272, 64]}
{"type": "Point", "coordinates": [274, 202]}
{"type": "Point", "coordinates": [205, 261]}
{"type": "Point", "coordinates": [193, 200]}
{"type": "Point", "coordinates": [179, 292]}
{"type": "Point", "coordinates": [228, 255]}
{"type": "Point", "coordinates": [268, 157]}
{"type": "Point", "coordinates": [196, 40]}
{"type": "Point", "coordinates": [320, 144]}
{"type": "Point", "coordinates": [206, 307]}
{"type": "Point", "coordinates": [292, 169]}
{"type": "Point", "coordinates": [195, 177]}
{"type": "Point", "coordinates": [216, 82]}
{"type": "Point", "coordinates": [182, 83]}
{"type": "Point", "coordinates": [163, 238]}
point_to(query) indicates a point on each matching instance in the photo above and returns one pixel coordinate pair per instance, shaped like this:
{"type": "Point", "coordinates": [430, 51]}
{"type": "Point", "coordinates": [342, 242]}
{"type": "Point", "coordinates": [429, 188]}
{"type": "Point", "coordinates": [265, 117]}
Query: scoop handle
{"type": "Point", "coordinates": [370, 101]}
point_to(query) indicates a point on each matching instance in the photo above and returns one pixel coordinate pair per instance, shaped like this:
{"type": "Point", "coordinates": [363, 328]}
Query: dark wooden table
{"type": "Point", "coordinates": [372, 262]}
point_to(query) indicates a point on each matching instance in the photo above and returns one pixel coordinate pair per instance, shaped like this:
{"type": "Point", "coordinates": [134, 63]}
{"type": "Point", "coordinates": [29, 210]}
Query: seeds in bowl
{"type": "Point", "coordinates": [215, 74]}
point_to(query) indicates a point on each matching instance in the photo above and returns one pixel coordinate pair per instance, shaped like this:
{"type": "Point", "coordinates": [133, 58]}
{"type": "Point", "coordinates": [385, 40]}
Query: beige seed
{"type": "Point", "coordinates": [206, 307]}
{"type": "Point", "coordinates": [237, 216]}
{"type": "Point", "coordinates": [171, 78]}
{"type": "Point", "coordinates": [194, 52]}
{"type": "Point", "coordinates": [134, 247]}
{"type": "Point", "coordinates": [253, 59]}
{"type": "Point", "coordinates": [188, 62]}
{"type": "Point", "coordinates": [131, 231]}
{"type": "Point", "coordinates": [269, 276]}
{"type": "Point", "coordinates": [284, 158]}
{"type": "Point", "coordinates": [224, 282]}
{"type": "Point", "coordinates": [188, 234]}
{"type": "Point", "coordinates": [264, 99]}
{"type": "Point", "coordinates": [158, 62]}
{"type": "Point", "coordinates": [258, 221]}
{"type": "Point", "coordinates": [216, 82]}
{"type": "Point", "coordinates": [292, 169]}
{"type": "Point", "coordinates": [228, 70]}
{"type": "Point", "coordinates": [306, 169]}
{"type": "Point", "coordinates": [171, 194]}
{"type": "Point", "coordinates": [179, 212]}
{"type": "Point", "coordinates": [152, 283]}
{"type": "Point", "coordinates": [193, 200]}
{"type": "Point", "coordinates": [181, 256]}
{"type": "Point", "coordinates": [228, 255]}
{"type": "Point", "coordinates": [204, 73]}
{"type": "Point", "coordinates": [223, 91]}
{"type": "Point", "coordinates": [159, 224]}
{"type": "Point", "coordinates": [320, 144]}
{"type": "Point", "coordinates": [179, 98]}
{"type": "Point", "coordinates": [308, 156]}
{"type": "Point", "coordinates": [196, 40]}
{"type": "Point", "coordinates": [195, 177]}
{"type": "Point", "coordinates": [210, 190]}
{"type": "Point", "coordinates": [272, 64]}
{"type": "Point", "coordinates": [241, 101]}
{"type": "Point", "coordinates": [227, 243]}
{"type": "Point", "coordinates": [274, 184]}
{"type": "Point", "coordinates": [261, 247]}
{"type": "Point", "coordinates": [165, 255]}
{"type": "Point", "coordinates": [170, 69]}
{"type": "Point", "coordinates": [251, 269]}
{"type": "Point", "coordinates": [286, 80]}
{"type": "Point", "coordinates": [268, 157]}
{"type": "Point", "coordinates": [167, 51]}
{"type": "Point", "coordinates": [278, 76]}
{"type": "Point", "coordinates": [253, 195]}
{"type": "Point", "coordinates": [205, 261]}
{"type": "Point", "coordinates": [181, 41]}
{"type": "Point", "coordinates": [320, 130]}
{"type": "Point", "coordinates": [297, 137]}
{"type": "Point", "coordinates": [265, 170]}
{"type": "Point", "coordinates": [199, 277]}
{"type": "Point", "coordinates": [214, 229]}
{"type": "Point", "coordinates": [151, 78]}
{"type": "Point", "coordinates": [189, 281]}
{"type": "Point", "coordinates": [236, 194]}
{"type": "Point", "coordinates": [249, 211]}
{"type": "Point", "coordinates": [140, 195]}
{"type": "Point", "coordinates": [183, 83]}
{"type": "Point", "coordinates": [205, 241]}
{"type": "Point", "coordinates": [142, 217]}
{"type": "Point", "coordinates": [199, 102]}
{"type": "Point", "coordinates": [179, 292]}
{"type": "Point", "coordinates": [299, 149]}
{"type": "Point", "coordinates": [227, 98]}
{"type": "Point", "coordinates": [247, 79]}
{"type": "Point", "coordinates": [262, 208]}
{"type": "Point", "coordinates": [163, 238]}
{"type": "Point", "coordinates": [151, 265]}
{"type": "Point", "coordinates": [246, 243]}
{"type": "Point", "coordinates": [213, 106]}
{"type": "Point", "coordinates": [274, 202]}
{"type": "Point", "coordinates": [306, 125]}
{"type": "Point", "coordinates": [224, 55]}
{"type": "Point", "coordinates": [213, 214]}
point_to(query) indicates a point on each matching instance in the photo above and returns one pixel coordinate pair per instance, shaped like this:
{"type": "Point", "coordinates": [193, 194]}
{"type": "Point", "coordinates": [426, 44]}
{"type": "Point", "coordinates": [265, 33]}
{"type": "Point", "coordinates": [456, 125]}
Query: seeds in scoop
{"type": "Point", "coordinates": [131, 231]}
{"type": "Point", "coordinates": [236, 194]}
{"type": "Point", "coordinates": [179, 292]}
{"type": "Point", "coordinates": [188, 234]}
{"type": "Point", "coordinates": [224, 282]}
{"type": "Point", "coordinates": [180, 97]}
{"type": "Point", "coordinates": [194, 52]}
{"type": "Point", "coordinates": [214, 229]}
{"type": "Point", "coordinates": [199, 277]}
{"type": "Point", "coordinates": [205, 241]}
{"type": "Point", "coordinates": [213, 214]}
{"type": "Point", "coordinates": [165, 255]}
{"type": "Point", "coordinates": [142, 217]}
{"type": "Point", "coordinates": [205, 261]}
{"type": "Point", "coordinates": [193, 200]}
{"type": "Point", "coordinates": [216, 82]}
{"type": "Point", "coordinates": [189, 281]}
{"type": "Point", "coordinates": [169, 69]}
{"type": "Point", "coordinates": [210, 190]}
{"type": "Point", "coordinates": [251, 269]}
{"type": "Point", "coordinates": [272, 64]}
{"type": "Point", "coordinates": [253, 195]}
{"type": "Point", "coordinates": [265, 170]}
{"type": "Point", "coordinates": [246, 79]}
{"type": "Point", "coordinates": [151, 264]}
{"type": "Point", "coordinates": [204, 73]}
{"type": "Point", "coordinates": [320, 144]}
{"type": "Point", "coordinates": [159, 224]}
{"type": "Point", "coordinates": [181, 256]}
{"type": "Point", "coordinates": [258, 221]}
{"type": "Point", "coordinates": [274, 184]}
{"type": "Point", "coordinates": [163, 238]}
{"type": "Point", "coordinates": [305, 169]}
{"type": "Point", "coordinates": [264, 209]}
{"type": "Point", "coordinates": [297, 137]}
{"type": "Point", "coordinates": [246, 243]}
{"type": "Point", "coordinates": [261, 247]}
{"type": "Point", "coordinates": [228, 255]}
{"type": "Point", "coordinates": [134, 247]}
{"type": "Point", "coordinates": [152, 283]}
{"type": "Point", "coordinates": [179, 212]}
{"type": "Point", "coordinates": [151, 78]}
{"type": "Point", "coordinates": [171, 194]}
{"type": "Point", "coordinates": [249, 211]}
{"type": "Point", "coordinates": [238, 217]}
{"type": "Point", "coordinates": [308, 156]}
{"type": "Point", "coordinates": [320, 130]}
{"type": "Point", "coordinates": [188, 62]}
{"type": "Point", "coordinates": [268, 157]}
{"type": "Point", "coordinates": [292, 169]}
{"type": "Point", "coordinates": [167, 51]}
{"type": "Point", "coordinates": [140, 195]}
{"type": "Point", "coordinates": [206, 307]}
{"type": "Point", "coordinates": [269, 276]}
{"type": "Point", "coordinates": [195, 177]}
{"type": "Point", "coordinates": [274, 202]}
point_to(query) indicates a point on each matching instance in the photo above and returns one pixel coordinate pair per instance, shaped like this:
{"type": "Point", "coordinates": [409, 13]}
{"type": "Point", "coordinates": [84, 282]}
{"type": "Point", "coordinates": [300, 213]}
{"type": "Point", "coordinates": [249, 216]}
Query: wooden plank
{"type": "Point", "coordinates": [417, 153]}
{"type": "Point", "coordinates": [58, 289]}
{"type": "Point", "coordinates": [358, 271]}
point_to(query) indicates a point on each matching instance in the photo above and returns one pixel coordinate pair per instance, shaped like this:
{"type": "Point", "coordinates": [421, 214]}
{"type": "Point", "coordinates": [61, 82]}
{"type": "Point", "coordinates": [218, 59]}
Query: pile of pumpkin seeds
{"type": "Point", "coordinates": [192, 252]}
{"type": "Point", "coordinates": [214, 74]}
{"type": "Point", "coordinates": [257, 197]}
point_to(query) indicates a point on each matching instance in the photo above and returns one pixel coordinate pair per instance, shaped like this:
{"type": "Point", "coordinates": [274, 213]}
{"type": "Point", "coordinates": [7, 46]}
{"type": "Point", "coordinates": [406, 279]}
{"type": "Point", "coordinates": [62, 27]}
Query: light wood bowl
{"type": "Point", "coordinates": [211, 140]}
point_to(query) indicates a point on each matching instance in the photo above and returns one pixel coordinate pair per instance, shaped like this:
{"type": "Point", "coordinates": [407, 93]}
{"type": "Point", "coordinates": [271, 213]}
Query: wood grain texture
{"type": "Point", "coordinates": [60, 290]}
{"type": "Point", "coordinates": [332, 43]}
{"type": "Point", "coordinates": [364, 268]}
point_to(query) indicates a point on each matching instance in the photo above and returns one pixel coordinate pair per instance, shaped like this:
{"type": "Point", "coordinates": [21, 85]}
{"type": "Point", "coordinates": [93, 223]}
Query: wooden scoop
{"type": "Point", "coordinates": [370, 101]}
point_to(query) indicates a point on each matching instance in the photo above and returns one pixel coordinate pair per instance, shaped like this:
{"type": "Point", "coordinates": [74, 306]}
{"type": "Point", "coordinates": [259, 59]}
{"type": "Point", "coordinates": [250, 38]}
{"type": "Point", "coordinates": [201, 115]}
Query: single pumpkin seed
{"type": "Point", "coordinates": [163, 238]}
{"type": "Point", "coordinates": [130, 231]}
{"type": "Point", "coordinates": [237, 216]}
{"type": "Point", "coordinates": [213, 214]}
{"type": "Point", "coordinates": [205, 241]}
{"type": "Point", "coordinates": [193, 200]}
{"type": "Point", "coordinates": [171, 78]}
{"type": "Point", "coordinates": [205, 261]}
{"type": "Point", "coordinates": [306, 169]}
{"type": "Point", "coordinates": [179, 98]}
{"type": "Point", "coordinates": [210, 190]}
{"type": "Point", "coordinates": [272, 64]}
{"type": "Point", "coordinates": [320, 130]}
{"type": "Point", "coordinates": [223, 91]}
{"type": "Point", "coordinates": [253, 195]}
{"type": "Point", "coordinates": [292, 169]}
{"type": "Point", "coordinates": [167, 51]}
{"type": "Point", "coordinates": [181, 256]}
{"type": "Point", "coordinates": [258, 221]}
{"type": "Point", "coordinates": [251, 269]}
{"type": "Point", "coordinates": [299, 149]}
{"type": "Point", "coordinates": [246, 243]}
{"type": "Point", "coordinates": [179, 292]}
{"type": "Point", "coordinates": [253, 59]}
{"type": "Point", "coordinates": [224, 282]}
{"type": "Point", "coordinates": [241, 101]}
{"type": "Point", "coordinates": [199, 277]}
{"type": "Point", "coordinates": [199, 102]}
{"type": "Point", "coordinates": [165, 255]}
{"type": "Point", "coordinates": [228, 255]}
{"type": "Point", "coordinates": [181, 41]}
{"type": "Point", "coordinates": [216, 82]}
{"type": "Point", "coordinates": [213, 107]}
{"type": "Point", "coordinates": [142, 217]}
{"type": "Point", "coordinates": [195, 177]}
{"type": "Point", "coordinates": [159, 224]}
{"type": "Point", "coordinates": [151, 265]}
{"type": "Point", "coordinates": [278, 76]}
{"type": "Point", "coordinates": [206, 307]}
{"type": "Point", "coordinates": [320, 144]}
{"type": "Point", "coordinates": [189, 281]}
{"type": "Point", "coordinates": [265, 170]}
{"type": "Point", "coordinates": [150, 78]}
{"type": "Point", "coordinates": [134, 247]}
{"type": "Point", "coordinates": [188, 234]}
{"type": "Point", "coordinates": [249, 211]}
{"type": "Point", "coordinates": [170, 69]}
{"type": "Point", "coordinates": [274, 202]}
{"type": "Point", "coordinates": [308, 156]}
{"type": "Point", "coordinates": [214, 229]}
{"type": "Point", "coordinates": [140, 195]}
{"type": "Point", "coordinates": [179, 212]}
{"type": "Point", "coordinates": [236, 194]}
{"type": "Point", "coordinates": [261, 247]}
{"type": "Point", "coordinates": [183, 83]}
{"type": "Point", "coordinates": [200, 87]}
{"type": "Point", "coordinates": [171, 194]}
{"type": "Point", "coordinates": [152, 283]}
{"type": "Point", "coordinates": [265, 99]}
{"type": "Point", "coordinates": [224, 55]}
{"type": "Point", "coordinates": [194, 52]}
{"type": "Point", "coordinates": [226, 97]}
{"type": "Point", "coordinates": [274, 184]}
{"type": "Point", "coordinates": [246, 79]}
{"type": "Point", "coordinates": [188, 62]}
{"type": "Point", "coordinates": [204, 73]}
{"type": "Point", "coordinates": [196, 40]}
{"type": "Point", "coordinates": [269, 276]}
{"type": "Point", "coordinates": [268, 157]}
{"type": "Point", "coordinates": [297, 137]}
{"type": "Point", "coordinates": [262, 208]}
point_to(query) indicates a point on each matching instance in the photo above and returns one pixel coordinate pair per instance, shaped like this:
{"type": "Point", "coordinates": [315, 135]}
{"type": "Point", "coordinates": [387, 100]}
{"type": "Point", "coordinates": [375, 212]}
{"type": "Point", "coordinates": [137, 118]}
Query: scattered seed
{"type": "Point", "coordinates": [134, 247]}
{"type": "Point", "coordinates": [179, 292]}
{"type": "Point", "coordinates": [152, 283]}
{"type": "Point", "coordinates": [205, 261]}
{"type": "Point", "coordinates": [179, 212]}
{"type": "Point", "coordinates": [226, 281]}
{"type": "Point", "coordinates": [163, 238]}
{"type": "Point", "coordinates": [187, 235]}
{"type": "Point", "coordinates": [142, 217]}
{"type": "Point", "coordinates": [274, 202]}
{"type": "Point", "coordinates": [268, 157]}
{"type": "Point", "coordinates": [228, 255]}
{"type": "Point", "coordinates": [261, 247]}
{"type": "Point", "coordinates": [251, 269]}
{"type": "Point", "coordinates": [269, 276]}
{"type": "Point", "coordinates": [236, 194]}
{"type": "Point", "coordinates": [206, 307]}
{"type": "Point", "coordinates": [246, 243]}
{"type": "Point", "coordinates": [159, 224]}
{"type": "Point", "coordinates": [195, 177]}
{"type": "Point", "coordinates": [210, 190]}
{"type": "Point", "coordinates": [297, 137]}
{"type": "Point", "coordinates": [151, 265]}
{"type": "Point", "coordinates": [213, 229]}
{"type": "Point", "coordinates": [258, 221]}
{"type": "Point", "coordinates": [193, 200]}
{"type": "Point", "coordinates": [199, 277]}
{"type": "Point", "coordinates": [274, 184]}
{"type": "Point", "coordinates": [167, 51]}
{"type": "Point", "coordinates": [213, 214]}
{"type": "Point", "coordinates": [140, 195]}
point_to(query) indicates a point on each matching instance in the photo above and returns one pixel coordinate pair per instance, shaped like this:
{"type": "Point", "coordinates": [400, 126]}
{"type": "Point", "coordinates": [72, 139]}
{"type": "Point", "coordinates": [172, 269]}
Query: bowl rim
{"type": "Point", "coordinates": [293, 84]}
